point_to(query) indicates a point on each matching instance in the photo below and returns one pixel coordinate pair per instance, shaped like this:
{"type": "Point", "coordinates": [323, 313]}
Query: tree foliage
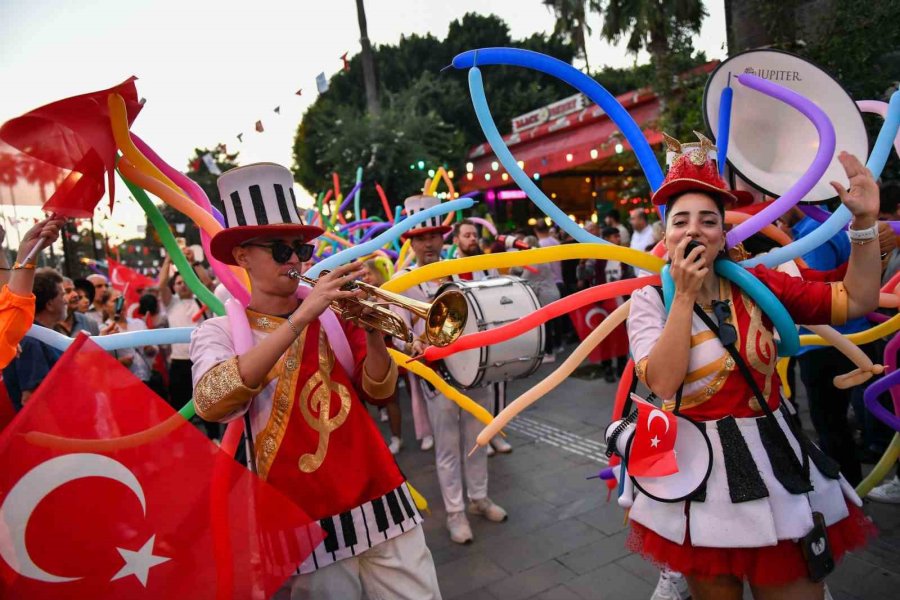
{"type": "Point", "coordinates": [427, 115]}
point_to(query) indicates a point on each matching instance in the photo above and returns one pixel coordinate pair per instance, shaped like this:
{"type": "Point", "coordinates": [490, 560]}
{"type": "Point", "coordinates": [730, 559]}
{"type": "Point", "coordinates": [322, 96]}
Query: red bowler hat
{"type": "Point", "coordinates": [416, 204]}
{"type": "Point", "coordinates": [693, 168]}
{"type": "Point", "coordinates": [259, 203]}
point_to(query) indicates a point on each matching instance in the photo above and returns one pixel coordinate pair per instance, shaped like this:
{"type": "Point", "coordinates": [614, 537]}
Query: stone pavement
{"type": "Point", "coordinates": [563, 540]}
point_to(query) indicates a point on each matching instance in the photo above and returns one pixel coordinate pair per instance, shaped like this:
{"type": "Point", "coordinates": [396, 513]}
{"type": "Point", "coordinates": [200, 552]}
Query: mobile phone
{"type": "Point", "coordinates": [120, 305]}
{"type": "Point", "coordinates": [816, 549]}
{"type": "Point", "coordinates": [690, 248]}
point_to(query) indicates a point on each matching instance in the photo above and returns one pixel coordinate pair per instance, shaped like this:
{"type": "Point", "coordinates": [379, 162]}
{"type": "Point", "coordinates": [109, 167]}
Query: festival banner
{"type": "Point", "coordinates": [107, 493]}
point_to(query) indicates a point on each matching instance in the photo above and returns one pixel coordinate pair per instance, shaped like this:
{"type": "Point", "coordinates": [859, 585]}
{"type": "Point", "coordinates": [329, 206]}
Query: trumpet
{"type": "Point", "coordinates": [445, 317]}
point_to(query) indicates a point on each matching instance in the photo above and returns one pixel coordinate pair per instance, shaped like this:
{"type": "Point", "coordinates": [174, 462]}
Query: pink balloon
{"type": "Point", "coordinates": [241, 335]}
{"type": "Point", "coordinates": [879, 108]}
{"type": "Point", "coordinates": [196, 193]}
{"type": "Point", "coordinates": [483, 222]}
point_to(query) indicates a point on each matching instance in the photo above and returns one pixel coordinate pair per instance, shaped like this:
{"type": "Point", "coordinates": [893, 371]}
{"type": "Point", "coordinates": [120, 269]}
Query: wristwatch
{"type": "Point", "coordinates": [863, 235]}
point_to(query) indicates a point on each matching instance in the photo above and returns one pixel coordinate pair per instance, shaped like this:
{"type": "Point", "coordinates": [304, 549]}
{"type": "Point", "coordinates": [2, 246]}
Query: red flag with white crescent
{"type": "Point", "coordinates": [107, 493]}
{"type": "Point", "coordinates": [588, 318]}
{"type": "Point", "coordinates": [653, 445]}
{"type": "Point", "coordinates": [128, 281]}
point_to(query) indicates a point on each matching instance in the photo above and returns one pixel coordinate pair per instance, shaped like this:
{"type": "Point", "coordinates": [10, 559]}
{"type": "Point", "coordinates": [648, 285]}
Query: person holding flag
{"type": "Point", "coordinates": [310, 434]}
{"type": "Point", "coordinates": [774, 510]}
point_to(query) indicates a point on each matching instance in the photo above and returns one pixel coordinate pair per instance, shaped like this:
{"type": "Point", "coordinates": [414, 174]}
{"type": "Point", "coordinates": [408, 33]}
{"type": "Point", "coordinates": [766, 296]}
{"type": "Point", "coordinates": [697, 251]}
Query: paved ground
{"type": "Point", "coordinates": [563, 541]}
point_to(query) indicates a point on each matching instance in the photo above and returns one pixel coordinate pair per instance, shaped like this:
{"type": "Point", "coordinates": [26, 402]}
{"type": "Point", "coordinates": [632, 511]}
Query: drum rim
{"type": "Point", "coordinates": [702, 429]}
{"type": "Point", "coordinates": [707, 124]}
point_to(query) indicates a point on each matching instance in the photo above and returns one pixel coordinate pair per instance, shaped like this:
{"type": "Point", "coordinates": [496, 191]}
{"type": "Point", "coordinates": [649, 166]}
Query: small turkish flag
{"type": "Point", "coordinates": [128, 281]}
{"type": "Point", "coordinates": [107, 493]}
{"type": "Point", "coordinates": [653, 445]}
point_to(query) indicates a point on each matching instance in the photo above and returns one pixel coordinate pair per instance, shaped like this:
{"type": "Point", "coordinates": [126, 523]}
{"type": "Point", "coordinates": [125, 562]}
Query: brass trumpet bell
{"type": "Point", "coordinates": [445, 317]}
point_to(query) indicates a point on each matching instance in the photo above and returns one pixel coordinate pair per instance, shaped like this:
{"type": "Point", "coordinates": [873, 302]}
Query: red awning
{"type": "Point", "coordinates": [547, 148]}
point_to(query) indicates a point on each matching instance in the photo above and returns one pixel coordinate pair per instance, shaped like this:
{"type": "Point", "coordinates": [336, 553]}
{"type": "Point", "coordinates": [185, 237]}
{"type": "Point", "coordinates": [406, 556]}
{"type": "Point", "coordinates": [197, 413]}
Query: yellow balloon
{"type": "Point", "coordinates": [888, 460]}
{"type": "Point", "coordinates": [419, 499]}
{"type": "Point", "coordinates": [504, 260]}
{"type": "Point", "coordinates": [862, 337]}
{"type": "Point", "coordinates": [464, 402]}
{"type": "Point", "coordinates": [782, 367]}
{"type": "Point", "coordinates": [550, 382]}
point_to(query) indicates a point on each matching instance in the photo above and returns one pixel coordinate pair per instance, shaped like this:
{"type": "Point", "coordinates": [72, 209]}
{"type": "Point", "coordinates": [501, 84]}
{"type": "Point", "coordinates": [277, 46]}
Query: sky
{"type": "Point", "coordinates": [210, 70]}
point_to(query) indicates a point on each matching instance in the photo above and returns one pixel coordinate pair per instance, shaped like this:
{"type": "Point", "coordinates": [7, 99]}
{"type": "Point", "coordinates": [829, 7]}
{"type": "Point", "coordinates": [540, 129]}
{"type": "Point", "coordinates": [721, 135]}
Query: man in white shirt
{"type": "Point", "coordinates": [642, 238]}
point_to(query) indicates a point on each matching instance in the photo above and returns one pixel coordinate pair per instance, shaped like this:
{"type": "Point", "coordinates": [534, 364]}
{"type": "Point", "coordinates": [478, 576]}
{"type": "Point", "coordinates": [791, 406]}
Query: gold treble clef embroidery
{"type": "Point", "coordinates": [315, 405]}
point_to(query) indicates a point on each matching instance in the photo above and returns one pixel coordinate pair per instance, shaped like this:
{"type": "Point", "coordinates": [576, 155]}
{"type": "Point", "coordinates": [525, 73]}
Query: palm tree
{"type": "Point", "coordinates": [655, 26]}
{"type": "Point", "coordinates": [368, 62]}
{"type": "Point", "coordinates": [571, 22]}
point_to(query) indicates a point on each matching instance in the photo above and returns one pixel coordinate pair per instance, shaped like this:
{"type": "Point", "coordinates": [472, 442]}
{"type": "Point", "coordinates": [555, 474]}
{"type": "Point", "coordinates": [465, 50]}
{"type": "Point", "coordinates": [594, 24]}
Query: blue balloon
{"type": "Point", "coordinates": [476, 89]}
{"type": "Point", "coordinates": [584, 84]}
{"type": "Point", "coordinates": [116, 341]}
{"type": "Point", "coordinates": [354, 252]}
{"type": "Point", "coordinates": [725, 101]}
{"type": "Point", "coordinates": [789, 344]}
{"type": "Point", "coordinates": [841, 216]}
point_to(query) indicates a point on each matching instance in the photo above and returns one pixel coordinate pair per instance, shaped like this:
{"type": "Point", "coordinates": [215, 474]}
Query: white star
{"type": "Point", "coordinates": [654, 441]}
{"type": "Point", "coordinates": [139, 563]}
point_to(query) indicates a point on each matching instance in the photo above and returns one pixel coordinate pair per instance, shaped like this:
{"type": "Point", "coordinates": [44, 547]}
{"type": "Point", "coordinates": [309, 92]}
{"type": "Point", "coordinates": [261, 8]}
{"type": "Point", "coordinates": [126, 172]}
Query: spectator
{"type": "Point", "coordinates": [84, 289]}
{"type": "Point", "coordinates": [149, 313]}
{"type": "Point", "coordinates": [612, 219]}
{"type": "Point", "coordinates": [642, 238]}
{"type": "Point", "coordinates": [101, 287]}
{"type": "Point", "coordinates": [558, 328]}
{"type": "Point", "coordinates": [541, 280]}
{"type": "Point", "coordinates": [25, 373]}
{"type": "Point", "coordinates": [75, 320]}
{"type": "Point", "coordinates": [17, 302]}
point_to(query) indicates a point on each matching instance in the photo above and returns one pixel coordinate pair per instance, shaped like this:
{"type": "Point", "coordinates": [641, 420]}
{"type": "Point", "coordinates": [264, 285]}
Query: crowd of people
{"type": "Point", "coordinates": [292, 353]}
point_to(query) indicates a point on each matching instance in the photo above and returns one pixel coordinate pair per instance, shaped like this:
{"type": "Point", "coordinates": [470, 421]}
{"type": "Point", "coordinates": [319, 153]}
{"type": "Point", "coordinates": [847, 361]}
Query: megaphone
{"type": "Point", "coordinates": [770, 144]}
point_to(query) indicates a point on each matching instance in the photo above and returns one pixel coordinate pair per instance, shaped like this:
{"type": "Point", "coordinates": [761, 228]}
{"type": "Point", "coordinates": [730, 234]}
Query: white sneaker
{"type": "Point", "coordinates": [395, 445]}
{"type": "Point", "coordinates": [888, 492]}
{"type": "Point", "coordinates": [427, 443]}
{"type": "Point", "coordinates": [499, 444]}
{"type": "Point", "coordinates": [671, 586]}
{"type": "Point", "coordinates": [490, 450]}
{"type": "Point", "coordinates": [458, 525]}
{"type": "Point", "coordinates": [383, 416]}
{"type": "Point", "coordinates": [487, 509]}
{"type": "Point", "coordinates": [548, 358]}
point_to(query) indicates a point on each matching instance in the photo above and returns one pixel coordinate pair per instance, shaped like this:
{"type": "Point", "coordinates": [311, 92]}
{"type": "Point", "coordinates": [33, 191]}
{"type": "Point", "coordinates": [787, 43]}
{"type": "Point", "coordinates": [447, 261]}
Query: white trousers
{"type": "Point", "coordinates": [401, 567]}
{"type": "Point", "coordinates": [419, 410]}
{"type": "Point", "coordinates": [453, 426]}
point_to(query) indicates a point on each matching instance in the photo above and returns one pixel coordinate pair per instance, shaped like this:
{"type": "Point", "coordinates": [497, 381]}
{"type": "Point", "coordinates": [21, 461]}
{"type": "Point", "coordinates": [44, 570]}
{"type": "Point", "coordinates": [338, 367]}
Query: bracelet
{"type": "Point", "coordinates": [293, 327]}
{"type": "Point", "coordinates": [18, 266]}
{"type": "Point", "coordinates": [862, 242]}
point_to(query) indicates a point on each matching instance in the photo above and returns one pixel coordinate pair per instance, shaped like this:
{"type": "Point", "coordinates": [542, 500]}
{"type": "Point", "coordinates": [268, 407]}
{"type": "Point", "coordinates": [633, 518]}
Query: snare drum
{"type": "Point", "coordinates": [492, 303]}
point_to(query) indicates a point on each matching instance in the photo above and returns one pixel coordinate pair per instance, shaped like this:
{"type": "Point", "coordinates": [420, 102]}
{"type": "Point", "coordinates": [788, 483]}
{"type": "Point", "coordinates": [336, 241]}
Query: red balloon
{"type": "Point", "coordinates": [539, 317]}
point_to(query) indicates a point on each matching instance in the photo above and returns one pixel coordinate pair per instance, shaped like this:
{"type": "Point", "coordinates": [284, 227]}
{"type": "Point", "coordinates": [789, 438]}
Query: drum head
{"type": "Point", "coordinates": [771, 144]}
{"type": "Point", "coordinates": [694, 455]}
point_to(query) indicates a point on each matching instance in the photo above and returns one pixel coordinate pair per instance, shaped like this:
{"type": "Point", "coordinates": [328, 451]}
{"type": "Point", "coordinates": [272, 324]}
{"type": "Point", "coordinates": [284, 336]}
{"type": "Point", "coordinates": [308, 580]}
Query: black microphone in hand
{"type": "Point", "coordinates": [690, 248]}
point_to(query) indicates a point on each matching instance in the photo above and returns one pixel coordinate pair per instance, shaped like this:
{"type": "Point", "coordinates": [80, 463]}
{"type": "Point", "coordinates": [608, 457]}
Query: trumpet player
{"type": "Point", "coordinates": [449, 423]}
{"type": "Point", "coordinates": [312, 438]}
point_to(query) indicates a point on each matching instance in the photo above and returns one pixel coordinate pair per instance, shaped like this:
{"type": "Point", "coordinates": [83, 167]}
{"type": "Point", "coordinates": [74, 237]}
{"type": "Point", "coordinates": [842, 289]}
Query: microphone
{"type": "Point", "coordinates": [510, 242]}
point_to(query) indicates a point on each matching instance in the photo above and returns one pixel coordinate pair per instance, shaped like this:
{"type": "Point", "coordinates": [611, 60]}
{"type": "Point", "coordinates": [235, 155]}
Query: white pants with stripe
{"type": "Point", "coordinates": [401, 567]}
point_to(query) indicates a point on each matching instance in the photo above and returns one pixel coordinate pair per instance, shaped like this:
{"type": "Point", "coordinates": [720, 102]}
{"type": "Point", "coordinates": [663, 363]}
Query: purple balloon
{"type": "Point", "coordinates": [871, 399]}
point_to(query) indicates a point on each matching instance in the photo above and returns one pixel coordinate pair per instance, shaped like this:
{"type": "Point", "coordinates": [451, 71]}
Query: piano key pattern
{"type": "Point", "coordinates": [355, 531]}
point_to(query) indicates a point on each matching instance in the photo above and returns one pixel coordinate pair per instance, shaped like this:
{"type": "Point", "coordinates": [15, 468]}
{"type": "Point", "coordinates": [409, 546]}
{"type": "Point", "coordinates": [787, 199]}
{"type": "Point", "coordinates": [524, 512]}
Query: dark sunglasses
{"type": "Point", "coordinates": [727, 332]}
{"type": "Point", "coordinates": [282, 252]}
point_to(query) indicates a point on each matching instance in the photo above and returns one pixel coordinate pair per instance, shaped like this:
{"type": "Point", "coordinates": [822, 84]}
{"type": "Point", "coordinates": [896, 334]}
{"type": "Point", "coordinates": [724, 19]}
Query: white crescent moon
{"type": "Point", "coordinates": [593, 313]}
{"type": "Point", "coordinates": [34, 486]}
{"type": "Point", "coordinates": [114, 277]}
{"type": "Point", "coordinates": [657, 414]}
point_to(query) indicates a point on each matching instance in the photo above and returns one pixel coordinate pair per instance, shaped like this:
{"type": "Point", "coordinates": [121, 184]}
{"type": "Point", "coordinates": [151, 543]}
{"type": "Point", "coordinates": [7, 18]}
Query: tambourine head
{"type": "Point", "coordinates": [771, 144]}
{"type": "Point", "coordinates": [694, 456]}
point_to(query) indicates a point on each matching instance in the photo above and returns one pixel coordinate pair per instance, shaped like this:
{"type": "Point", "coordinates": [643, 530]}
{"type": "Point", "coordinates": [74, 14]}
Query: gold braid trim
{"type": "Point", "coordinates": [221, 392]}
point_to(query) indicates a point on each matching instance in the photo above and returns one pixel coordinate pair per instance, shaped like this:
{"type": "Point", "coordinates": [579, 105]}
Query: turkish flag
{"type": "Point", "coordinates": [128, 280]}
{"type": "Point", "coordinates": [653, 444]}
{"type": "Point", "coordinates": [588, 318]}
{"type": "Point", "coordinates": [106, 493]}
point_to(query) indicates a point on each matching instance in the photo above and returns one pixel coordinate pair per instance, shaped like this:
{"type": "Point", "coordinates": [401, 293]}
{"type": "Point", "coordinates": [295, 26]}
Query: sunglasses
{"type": "Point", "coordinates": [282, 252]}
{"type": "Point", "coordinates": [727, 332]}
